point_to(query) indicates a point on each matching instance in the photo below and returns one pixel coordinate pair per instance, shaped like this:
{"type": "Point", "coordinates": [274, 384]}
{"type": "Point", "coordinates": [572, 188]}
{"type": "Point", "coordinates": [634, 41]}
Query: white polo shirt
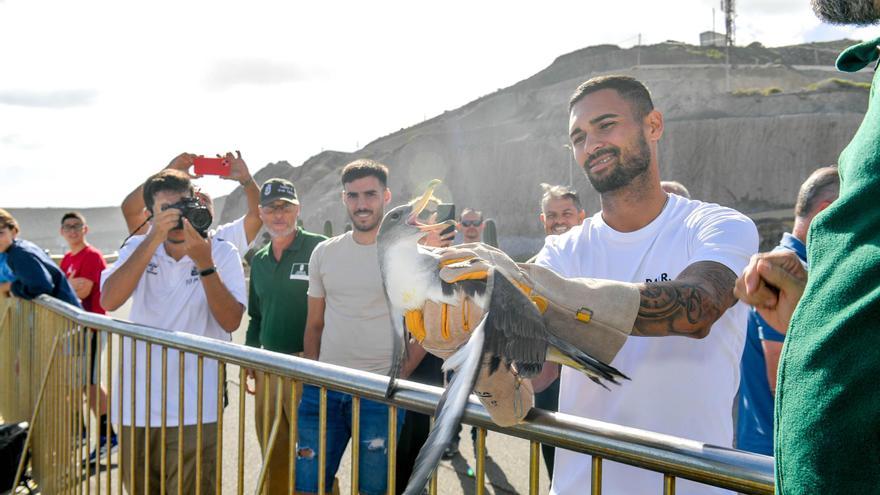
{"type": "Point", "coordinates": [169, 296]}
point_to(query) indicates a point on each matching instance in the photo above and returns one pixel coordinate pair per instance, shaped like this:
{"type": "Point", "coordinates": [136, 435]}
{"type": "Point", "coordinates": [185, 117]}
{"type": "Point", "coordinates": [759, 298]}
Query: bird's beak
{"type": "Point", "coordinates": [436, 226]}
{"type": "Point", "coordinates": [420, 205]}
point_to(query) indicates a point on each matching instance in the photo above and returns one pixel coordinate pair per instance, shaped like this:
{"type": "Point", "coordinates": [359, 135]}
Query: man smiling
{"type": "Point", "coordinates": [349, 325]}
{"type": "Point", "coordinates": [682, 256]}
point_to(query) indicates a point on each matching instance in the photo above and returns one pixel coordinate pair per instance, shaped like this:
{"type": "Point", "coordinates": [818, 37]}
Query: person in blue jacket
{"type": "Point", "coordinates": [33, 271]}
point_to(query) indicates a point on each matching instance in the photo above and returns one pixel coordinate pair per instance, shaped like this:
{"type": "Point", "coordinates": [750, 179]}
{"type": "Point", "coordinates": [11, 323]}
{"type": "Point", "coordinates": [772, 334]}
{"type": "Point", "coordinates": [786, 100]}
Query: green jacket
{"type": "Point", "coordinates": [277, 301]}
{"type": "Point", "coordinates": [828, 397]}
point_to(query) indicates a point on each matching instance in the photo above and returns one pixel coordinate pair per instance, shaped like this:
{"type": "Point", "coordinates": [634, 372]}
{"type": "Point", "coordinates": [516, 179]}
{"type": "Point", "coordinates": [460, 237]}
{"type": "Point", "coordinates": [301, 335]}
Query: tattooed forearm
{"type": "Point", "coordinates": [688, 305]}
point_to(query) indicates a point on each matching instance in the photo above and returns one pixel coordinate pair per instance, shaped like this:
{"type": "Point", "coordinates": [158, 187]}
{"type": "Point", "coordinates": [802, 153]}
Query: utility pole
{"type": "Point", "coordinates": [727, 6]}
{"type": "Point", "coordinates": [729, 9]}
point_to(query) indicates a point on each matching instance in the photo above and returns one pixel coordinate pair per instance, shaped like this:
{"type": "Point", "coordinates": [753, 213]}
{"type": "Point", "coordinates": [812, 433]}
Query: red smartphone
{"type": "Point", "coordinates": [211, 166]}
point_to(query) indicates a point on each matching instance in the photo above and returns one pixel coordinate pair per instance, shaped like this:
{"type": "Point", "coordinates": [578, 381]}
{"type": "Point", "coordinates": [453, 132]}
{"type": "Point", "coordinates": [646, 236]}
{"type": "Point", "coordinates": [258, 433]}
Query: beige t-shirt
{"type": "Point", "coordinates": [357, 327]}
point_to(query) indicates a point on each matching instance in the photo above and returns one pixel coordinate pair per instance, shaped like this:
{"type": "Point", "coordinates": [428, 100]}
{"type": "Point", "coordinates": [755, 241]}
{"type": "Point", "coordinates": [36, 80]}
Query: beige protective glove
{"type": "Point", "coordinates": [506, 396]}
{"type": "Point", "coordinates": [594, 315]}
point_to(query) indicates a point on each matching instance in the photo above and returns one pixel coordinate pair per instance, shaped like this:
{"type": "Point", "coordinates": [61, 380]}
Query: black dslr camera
{"type": "Point", "coordinates": [193, 210]}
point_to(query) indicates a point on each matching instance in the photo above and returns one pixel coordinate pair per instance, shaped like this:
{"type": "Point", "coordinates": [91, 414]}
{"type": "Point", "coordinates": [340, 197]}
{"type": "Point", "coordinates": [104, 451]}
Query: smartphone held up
{"type": "Point", "coordinates": [211, 166]}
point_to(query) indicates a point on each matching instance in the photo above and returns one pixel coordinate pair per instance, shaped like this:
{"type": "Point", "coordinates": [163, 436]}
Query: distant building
{"type": "Point", "coordinates": [711, 38]}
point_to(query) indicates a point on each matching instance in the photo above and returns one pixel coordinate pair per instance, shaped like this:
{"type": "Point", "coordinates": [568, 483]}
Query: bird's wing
{"type": "Point", "coordinates": [466, 364]}
{"type": "Point", "coordinates": [517, 334]}
{"type": "Point", "coordinates": [515, 331]}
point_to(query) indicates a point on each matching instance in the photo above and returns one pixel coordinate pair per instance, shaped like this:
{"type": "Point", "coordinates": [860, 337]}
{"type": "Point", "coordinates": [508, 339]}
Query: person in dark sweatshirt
{"type": "Point", "coordinates": [35, 273]}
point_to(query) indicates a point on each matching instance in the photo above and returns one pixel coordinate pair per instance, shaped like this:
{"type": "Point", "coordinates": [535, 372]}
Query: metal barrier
{"type": "Point", "coordinates": [44, 359]}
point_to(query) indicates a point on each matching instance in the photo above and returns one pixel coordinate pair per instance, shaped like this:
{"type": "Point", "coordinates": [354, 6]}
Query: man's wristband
{"type": "Point", "coordinates": [208, 271]}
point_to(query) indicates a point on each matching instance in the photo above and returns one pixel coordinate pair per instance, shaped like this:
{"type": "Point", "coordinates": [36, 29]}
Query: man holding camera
{"type": "Point", "coordinates": [179, 281]}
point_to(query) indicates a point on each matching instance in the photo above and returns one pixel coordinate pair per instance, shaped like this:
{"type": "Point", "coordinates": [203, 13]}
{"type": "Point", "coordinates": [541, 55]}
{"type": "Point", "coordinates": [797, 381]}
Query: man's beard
{"type": "Point", "coordinates": [286, 232]}
{"type": "Point", "coordinates": [846, 11]}
{"type": "Point", "coordinates": [629, 166]}
{"type": "Point", "coordinates": [368, 227]}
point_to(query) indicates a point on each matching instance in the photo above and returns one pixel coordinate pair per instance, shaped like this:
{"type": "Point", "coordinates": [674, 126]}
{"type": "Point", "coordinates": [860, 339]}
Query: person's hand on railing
{"type": "Point", "coordinates": [5, 289]}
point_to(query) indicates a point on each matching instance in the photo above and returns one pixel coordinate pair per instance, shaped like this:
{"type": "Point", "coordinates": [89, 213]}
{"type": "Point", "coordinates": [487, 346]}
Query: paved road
{"type": "Point", "coordinates": [507, 465]}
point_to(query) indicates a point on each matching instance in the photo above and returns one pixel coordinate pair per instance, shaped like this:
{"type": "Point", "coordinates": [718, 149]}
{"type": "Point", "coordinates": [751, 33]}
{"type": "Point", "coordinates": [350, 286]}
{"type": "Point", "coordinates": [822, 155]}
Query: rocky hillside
{"type": "Point", "coordinates": [743, 136]}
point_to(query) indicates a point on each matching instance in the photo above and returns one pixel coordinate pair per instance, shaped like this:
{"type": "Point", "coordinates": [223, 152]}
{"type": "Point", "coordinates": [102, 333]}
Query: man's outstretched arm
{"type": "Point", "coordinates": [133, 204]}
{"type": "Point", "coordinates": [688, 305]}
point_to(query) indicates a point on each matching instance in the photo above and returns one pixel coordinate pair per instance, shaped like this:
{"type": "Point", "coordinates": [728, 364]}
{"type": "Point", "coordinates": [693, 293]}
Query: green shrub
{"type": "Point", "coordinates": [773, 90]}
{"type": "Point", "coordinates": [837, 84]}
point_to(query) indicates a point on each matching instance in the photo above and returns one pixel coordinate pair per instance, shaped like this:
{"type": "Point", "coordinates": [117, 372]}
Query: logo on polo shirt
{"type": "Point", "coordinates": [299, 271]}
{"type": "Point", "coordinates": [152, 268]}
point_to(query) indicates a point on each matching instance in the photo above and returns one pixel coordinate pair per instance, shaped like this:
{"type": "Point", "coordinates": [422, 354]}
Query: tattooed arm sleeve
{"type": "Point", "coordinates": [688, 305]}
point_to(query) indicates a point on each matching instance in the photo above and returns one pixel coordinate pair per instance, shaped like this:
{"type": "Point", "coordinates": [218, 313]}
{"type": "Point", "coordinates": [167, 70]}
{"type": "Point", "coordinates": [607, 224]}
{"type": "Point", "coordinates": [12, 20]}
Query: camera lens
{"type": "Point", "coordinates": [200, 218]}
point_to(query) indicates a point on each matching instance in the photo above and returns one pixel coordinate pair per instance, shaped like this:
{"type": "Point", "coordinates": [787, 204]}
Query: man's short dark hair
{"type": "Point", "coordinates": [167, 180]}
{"type": "Point", "coordinates": [73, 214]}
{"type": "Point", "coordinates": [821, 185]}
{"type": "Point", "coordinates": [559, 192]}
{"type": "Point", "coordinates": [364, 167]}
{"type": "Point", "coordinates": [470, 210]}
{"type": "Point", "coordinates": [629, 88]}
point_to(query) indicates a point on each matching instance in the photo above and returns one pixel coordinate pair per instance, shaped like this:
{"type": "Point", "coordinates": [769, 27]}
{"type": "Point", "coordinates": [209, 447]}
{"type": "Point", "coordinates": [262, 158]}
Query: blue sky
{"type": "Point", "coordinates": [96, 95]}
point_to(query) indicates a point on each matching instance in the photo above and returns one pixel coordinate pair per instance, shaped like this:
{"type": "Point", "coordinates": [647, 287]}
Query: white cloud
{"type": "Point", "coordinates": [48, 99]}
{"type": "Point", "coordinates": [228, 73]}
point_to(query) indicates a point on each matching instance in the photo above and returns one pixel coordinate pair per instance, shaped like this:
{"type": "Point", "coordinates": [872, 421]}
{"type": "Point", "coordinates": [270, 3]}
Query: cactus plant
{"type": "Point", "coordinates": [490, 233]}
{"type": "Point", "coordinates": [328, 228]}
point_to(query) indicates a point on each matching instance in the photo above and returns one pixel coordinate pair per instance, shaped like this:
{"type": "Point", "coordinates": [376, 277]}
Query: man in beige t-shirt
{"type": "Point", "coordinates": [349, 325]}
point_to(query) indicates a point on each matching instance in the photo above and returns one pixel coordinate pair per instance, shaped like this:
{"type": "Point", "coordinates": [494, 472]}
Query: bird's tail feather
{"type": "Point", "coordinates": [398, 354]}
{"type": "Point", "coordinates": [466, 364]}
{"type": "Point", "coordinates": [566, 354]}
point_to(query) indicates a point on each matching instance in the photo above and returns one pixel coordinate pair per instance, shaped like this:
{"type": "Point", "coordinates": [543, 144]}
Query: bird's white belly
{"type": "Point", "coordinates": [406, 289]}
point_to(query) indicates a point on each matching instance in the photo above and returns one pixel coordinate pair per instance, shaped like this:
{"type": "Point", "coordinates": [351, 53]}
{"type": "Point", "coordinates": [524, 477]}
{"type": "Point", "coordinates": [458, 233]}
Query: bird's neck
{"type": "Point", "coordinates": [410, 274]}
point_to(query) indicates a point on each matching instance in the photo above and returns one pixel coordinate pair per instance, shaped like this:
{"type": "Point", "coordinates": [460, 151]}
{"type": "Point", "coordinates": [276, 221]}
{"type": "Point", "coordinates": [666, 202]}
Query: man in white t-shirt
{"type": "Point", "coordinates": [178, 281]}
{"type": "Point", "coordinates": [241, 232]}
{"type": "Point", "coordinates": [349, 325]}
{"type": "Point", "coordinates": [684, 256]}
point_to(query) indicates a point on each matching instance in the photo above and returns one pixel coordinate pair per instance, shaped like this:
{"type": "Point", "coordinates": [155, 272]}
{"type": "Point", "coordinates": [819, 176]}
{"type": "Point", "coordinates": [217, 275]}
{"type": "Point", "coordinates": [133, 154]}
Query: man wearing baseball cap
{"type": "Point", "coordinates": [277, 306]}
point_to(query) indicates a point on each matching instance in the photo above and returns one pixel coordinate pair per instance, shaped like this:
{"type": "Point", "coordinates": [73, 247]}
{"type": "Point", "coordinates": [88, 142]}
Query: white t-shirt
{"type": "Point", "coordinates": [680, 386]}
{"type": "Point", "coordinates": [169, 296]}
{"type": "Point", "coordinates": [233, 232]}
{"type": "Point", "coordinates": [357, 325]}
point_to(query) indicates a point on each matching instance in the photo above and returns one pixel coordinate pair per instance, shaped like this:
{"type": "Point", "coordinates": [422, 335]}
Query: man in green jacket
{"type": "Point", "coordinates": [827, 403]}
{"type": "Point", "coordinates": [277, 306]}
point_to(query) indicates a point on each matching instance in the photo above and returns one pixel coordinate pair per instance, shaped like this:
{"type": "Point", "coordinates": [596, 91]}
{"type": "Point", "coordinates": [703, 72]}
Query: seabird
{"type": "Point", "coordinates": [511, 333]}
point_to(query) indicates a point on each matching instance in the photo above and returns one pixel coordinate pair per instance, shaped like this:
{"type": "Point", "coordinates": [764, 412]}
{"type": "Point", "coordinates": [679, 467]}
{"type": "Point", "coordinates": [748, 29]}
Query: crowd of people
{"type": "Point", "coordinates": [692, 350]}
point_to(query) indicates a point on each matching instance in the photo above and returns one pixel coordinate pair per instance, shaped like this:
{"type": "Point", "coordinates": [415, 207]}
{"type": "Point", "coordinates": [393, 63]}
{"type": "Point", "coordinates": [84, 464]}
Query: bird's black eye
{"type": "Point", "coordinates": [395, 216]}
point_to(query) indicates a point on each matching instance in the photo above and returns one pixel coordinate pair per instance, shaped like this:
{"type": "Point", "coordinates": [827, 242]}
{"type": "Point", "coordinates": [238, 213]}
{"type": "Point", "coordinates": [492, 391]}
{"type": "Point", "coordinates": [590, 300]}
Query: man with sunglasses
{"type": "Point", "coordinates": [277, 305]}
{"type": "Point", "coordinates": [471, 225]}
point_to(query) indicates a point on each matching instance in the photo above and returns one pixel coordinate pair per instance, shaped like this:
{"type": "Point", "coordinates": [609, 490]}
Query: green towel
{"type": "Point", "coordinates": [828, 398]}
